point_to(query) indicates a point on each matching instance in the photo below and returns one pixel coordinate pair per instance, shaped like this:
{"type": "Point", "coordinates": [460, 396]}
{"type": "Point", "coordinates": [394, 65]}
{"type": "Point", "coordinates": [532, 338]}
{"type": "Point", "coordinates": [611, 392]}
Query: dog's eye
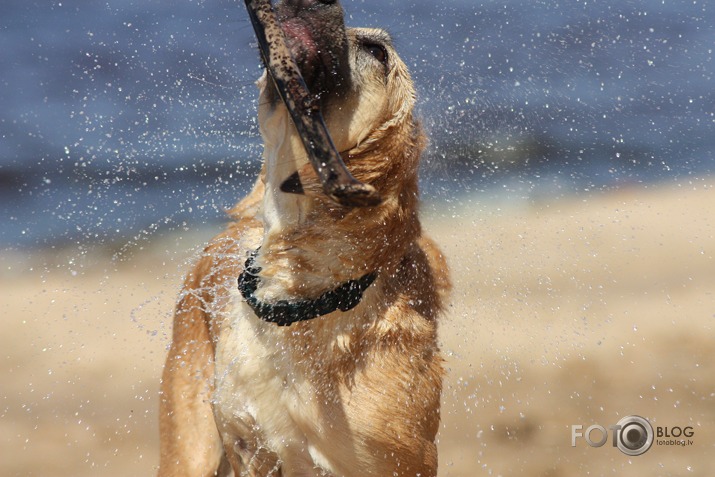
{"type": "Point", "coordinates": [377, 51]}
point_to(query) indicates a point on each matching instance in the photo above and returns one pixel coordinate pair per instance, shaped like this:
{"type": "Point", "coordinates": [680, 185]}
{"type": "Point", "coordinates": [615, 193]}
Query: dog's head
{"type": "Point", "coordinates": [363, 90]}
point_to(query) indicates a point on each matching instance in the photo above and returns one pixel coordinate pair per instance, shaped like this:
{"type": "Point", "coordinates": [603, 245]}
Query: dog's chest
{"type": "Point", "coordinates": [262, 393]}
{"type": "Point", "coordinates": [253, 367]}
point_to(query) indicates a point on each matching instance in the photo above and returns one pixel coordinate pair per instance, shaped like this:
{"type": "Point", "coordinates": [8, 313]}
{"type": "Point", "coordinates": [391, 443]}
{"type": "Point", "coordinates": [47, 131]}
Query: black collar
{"type": "Point", "coordinates": [285, 313]}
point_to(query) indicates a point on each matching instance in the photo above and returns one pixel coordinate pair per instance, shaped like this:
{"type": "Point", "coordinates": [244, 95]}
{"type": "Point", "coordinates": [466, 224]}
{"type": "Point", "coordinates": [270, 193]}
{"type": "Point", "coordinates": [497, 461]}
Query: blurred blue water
{"type": "Point", "coordinates": [125, 117]}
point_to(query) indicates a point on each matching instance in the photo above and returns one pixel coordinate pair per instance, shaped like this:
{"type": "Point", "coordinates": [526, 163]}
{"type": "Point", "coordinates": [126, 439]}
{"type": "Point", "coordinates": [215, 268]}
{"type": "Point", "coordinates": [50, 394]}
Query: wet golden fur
{"type": "Point", "coordinates": [350, 394]}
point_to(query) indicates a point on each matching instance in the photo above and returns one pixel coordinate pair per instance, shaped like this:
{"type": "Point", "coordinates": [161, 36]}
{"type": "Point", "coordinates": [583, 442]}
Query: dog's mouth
{"type": "Point", "coordinates": [314, 61]}
{"type": "Point", "coordinates": [310, 33]}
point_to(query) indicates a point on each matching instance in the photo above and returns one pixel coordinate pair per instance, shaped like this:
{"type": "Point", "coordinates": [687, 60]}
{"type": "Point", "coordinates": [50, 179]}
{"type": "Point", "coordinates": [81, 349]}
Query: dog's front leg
{"type": "Point", "coordinates": [190, 444]}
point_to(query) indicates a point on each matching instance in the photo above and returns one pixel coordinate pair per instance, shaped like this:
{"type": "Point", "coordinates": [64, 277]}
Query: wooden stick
{"type": "Point", "coordinates": [337, 181]}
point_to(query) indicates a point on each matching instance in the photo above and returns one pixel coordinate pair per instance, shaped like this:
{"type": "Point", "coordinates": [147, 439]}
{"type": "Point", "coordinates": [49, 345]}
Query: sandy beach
{"type": "Point", "coordinates": [577, 311]}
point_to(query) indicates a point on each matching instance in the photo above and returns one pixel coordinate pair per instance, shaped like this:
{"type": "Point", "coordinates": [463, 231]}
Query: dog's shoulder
{"type": "Point", "coordinates": [212, 277]}
{"type": "Point", "coordinates": [439, 270]}
{"type": "Point", "coordinates": [423, 278]}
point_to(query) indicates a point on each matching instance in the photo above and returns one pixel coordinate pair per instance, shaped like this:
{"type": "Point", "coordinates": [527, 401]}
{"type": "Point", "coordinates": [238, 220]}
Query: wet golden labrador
{"type": "Point", "coordinates": [305, 337]}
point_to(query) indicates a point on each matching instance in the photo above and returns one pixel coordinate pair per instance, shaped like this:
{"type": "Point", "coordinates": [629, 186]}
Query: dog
{"type": "Point", "coordinates": [305, 336]}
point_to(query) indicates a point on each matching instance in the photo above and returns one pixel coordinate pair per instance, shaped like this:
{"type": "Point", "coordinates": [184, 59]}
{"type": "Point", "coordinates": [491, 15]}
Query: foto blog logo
{"type": "Point", "coordinates": [632, 435]}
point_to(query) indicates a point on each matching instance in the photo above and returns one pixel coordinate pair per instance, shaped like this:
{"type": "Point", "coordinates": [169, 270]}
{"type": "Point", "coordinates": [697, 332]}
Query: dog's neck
{"type": "Point", "coordinates": [288, 263]}
{"type": "Point", "coordinates": [310, 244]}
{"type": "Point", "coordinates": [283, 155]}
